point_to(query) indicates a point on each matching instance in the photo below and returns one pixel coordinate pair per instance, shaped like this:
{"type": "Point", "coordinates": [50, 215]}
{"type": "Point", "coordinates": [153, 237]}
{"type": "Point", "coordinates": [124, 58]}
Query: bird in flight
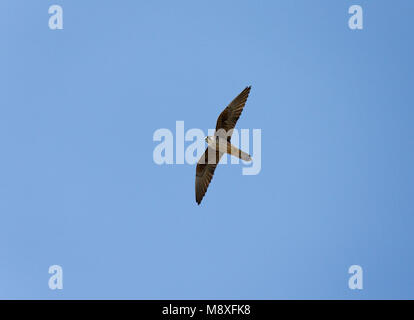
{"type": "Point", "coordinates": [219, 144]}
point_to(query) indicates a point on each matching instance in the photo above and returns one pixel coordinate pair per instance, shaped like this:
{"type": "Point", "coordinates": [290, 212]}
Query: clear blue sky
{"type": "Point", "coordinates": [79, 188]}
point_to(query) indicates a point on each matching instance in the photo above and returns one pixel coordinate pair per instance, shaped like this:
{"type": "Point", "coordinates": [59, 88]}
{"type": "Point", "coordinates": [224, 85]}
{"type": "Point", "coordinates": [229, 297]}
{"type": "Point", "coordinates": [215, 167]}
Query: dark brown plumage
{"type": "Point", "coordinates": [224, 128]}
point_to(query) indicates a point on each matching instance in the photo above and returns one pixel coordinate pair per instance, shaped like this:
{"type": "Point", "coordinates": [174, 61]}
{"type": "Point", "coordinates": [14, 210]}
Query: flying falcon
{"type": "Point", "coordinates": [220, 144]}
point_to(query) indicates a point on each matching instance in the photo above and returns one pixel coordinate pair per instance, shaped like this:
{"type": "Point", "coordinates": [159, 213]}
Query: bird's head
{"type": "Point", "coordinates": [208, 139]}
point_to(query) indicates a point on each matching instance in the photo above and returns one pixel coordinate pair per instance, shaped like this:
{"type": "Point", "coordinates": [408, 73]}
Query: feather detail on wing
{"type": "Point", "coordinates": [229, 116]}
{"type": "Point", "coordinates": [205, 171]}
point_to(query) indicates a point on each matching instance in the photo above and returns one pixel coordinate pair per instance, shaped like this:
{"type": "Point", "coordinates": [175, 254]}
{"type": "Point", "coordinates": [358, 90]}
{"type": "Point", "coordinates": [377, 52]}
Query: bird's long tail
{"type": "Point", "coordinates": [237, 152]}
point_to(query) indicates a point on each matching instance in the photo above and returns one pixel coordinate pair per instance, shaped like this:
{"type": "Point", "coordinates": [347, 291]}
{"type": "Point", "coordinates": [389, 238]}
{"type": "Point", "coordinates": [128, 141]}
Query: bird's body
{"type": "Point", "coordinates": [219, 144]}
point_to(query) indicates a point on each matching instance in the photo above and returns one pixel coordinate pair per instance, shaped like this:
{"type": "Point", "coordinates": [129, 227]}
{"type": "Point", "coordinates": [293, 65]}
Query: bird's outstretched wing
{"type": "Point", "coordinates": [205, 171]}
{"type": "Point", "coordinates": [229, 116]}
